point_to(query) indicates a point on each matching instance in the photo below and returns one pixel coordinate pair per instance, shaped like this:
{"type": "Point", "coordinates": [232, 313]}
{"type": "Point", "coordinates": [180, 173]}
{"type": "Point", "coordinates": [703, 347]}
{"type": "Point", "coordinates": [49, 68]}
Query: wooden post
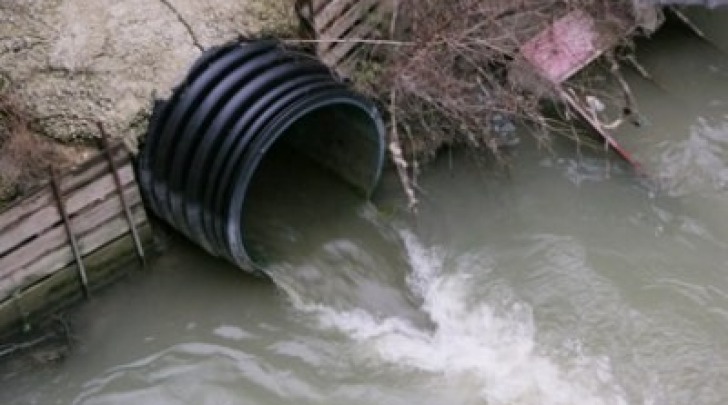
{"type": "Point", "coordinates": [69, 232]}
{"type": "Point", "coordinates": [120, 190]}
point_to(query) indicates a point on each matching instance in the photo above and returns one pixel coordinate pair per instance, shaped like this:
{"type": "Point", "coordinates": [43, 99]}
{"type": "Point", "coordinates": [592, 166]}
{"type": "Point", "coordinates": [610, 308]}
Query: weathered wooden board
{"type": "Point", "coordinates": [49, 262]}
{"type": "Point", "coordinates": [340, 25]}
{"type": "Point", "coordinates": [34, 242]}
{"type": "Point", "coordinates": [351, 17]}
{"type": "Point", "coordinates": [72, 180]}
{"type": "Point", "coordinates": [55, 238]}
{"type": "Point", "coordinates": [62, 288]}
{"type": "Point", "coordinates": [38, 211]}
{"type": "Point", "coordinates": [46, 216]}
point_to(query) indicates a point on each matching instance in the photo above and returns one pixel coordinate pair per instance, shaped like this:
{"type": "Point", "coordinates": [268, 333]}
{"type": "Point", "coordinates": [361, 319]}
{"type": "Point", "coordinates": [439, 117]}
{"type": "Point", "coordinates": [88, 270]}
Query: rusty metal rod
{"type": "Point", "coordinates": [69, 232]}
{"type": "Point", "coordinates": [120, 189]}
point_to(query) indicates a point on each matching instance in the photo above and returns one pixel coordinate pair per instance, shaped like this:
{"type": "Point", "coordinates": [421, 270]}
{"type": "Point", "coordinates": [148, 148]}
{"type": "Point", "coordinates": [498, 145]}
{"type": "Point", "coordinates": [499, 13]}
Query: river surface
{"type": "Point", "coordinates": [566, 279]}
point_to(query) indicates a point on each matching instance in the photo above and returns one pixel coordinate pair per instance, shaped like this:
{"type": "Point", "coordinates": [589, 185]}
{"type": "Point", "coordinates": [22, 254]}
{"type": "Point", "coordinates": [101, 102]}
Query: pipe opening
{"type": "Point", "coordinates": [321, 165]}
{"type": "Point", "coordinates": [255, 112]}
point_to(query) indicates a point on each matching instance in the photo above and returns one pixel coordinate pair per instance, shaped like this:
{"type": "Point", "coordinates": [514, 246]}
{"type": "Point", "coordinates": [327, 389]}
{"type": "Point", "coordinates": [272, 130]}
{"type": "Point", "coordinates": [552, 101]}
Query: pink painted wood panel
{"type": "Point", "coordinates": [564, 48]}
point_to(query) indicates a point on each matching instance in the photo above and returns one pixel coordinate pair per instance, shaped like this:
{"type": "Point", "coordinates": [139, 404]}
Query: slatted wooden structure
{"type": "Point", "coordinates": [70, 235]}
{"type": "Point", "coordinates": [340, 23]}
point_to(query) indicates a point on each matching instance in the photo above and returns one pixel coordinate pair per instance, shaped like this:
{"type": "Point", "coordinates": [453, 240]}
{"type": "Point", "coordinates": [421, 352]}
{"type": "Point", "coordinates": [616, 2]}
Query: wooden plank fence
{"type": "Point", "coordinates": [75, 229]}
{"type": "Point", "coordinates": [557, 50]}
{"type": "Point", "coordinates": [340, 23]}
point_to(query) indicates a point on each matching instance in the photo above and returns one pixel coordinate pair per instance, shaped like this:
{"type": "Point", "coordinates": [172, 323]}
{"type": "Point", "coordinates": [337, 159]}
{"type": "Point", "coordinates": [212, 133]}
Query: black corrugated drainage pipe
{"type": "Point", "coordinates": [204, 144]}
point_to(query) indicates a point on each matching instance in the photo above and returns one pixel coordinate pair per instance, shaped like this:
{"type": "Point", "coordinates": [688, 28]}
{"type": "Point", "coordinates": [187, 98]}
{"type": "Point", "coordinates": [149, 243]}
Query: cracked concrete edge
{"type": "Point", "coordinates": [72, 62]}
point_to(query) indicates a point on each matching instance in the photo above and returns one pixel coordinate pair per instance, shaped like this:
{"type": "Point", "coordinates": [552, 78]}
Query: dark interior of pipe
{"type": "Point", "coordinates": [316, 171]}
{"type": "Point", "coordinates": [342, 138]}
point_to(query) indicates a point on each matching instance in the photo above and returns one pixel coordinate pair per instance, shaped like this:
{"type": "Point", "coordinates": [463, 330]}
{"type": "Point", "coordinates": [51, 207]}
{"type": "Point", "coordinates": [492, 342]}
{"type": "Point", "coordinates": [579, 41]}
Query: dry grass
{"type": "Point", "coordinates": [24, 155]}
{"type": "Point", "coordinates": [456, 82]}
{"type": "Point", "coordinates": [458, 76]}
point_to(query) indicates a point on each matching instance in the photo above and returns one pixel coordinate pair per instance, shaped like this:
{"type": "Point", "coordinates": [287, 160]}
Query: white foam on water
{"type": "Point", "coordinates": [492, 353]}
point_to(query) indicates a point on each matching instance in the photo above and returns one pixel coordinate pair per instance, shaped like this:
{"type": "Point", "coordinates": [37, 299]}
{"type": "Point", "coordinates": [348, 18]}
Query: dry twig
{"type": "Point", "coordinates": [456, 75]}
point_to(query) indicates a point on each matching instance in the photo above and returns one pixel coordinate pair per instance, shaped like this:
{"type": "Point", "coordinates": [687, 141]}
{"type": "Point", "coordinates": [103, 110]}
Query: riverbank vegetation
{"type": "Point", "coordinates": [454, 73]}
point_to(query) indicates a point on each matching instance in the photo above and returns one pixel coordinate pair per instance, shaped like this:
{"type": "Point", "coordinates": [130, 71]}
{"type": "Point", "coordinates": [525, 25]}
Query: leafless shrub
{"type": "Point", "coordinates": [455, 74]}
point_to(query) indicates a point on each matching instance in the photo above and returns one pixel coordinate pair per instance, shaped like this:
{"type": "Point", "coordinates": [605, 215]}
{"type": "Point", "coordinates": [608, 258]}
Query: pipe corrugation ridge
{"type": "Point", "coordinates": [205, 143]}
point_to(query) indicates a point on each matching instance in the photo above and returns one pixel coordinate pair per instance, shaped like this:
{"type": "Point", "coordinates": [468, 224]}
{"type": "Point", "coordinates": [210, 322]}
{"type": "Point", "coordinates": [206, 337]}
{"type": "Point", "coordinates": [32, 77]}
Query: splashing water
{"type": "Point", "coordinates": [476, 346]}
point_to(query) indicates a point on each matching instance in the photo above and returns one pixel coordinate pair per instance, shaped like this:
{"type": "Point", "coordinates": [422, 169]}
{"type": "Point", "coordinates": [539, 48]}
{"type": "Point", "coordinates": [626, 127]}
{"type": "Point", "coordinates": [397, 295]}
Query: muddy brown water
{"type": "Point", "coordinates": [568, 281]}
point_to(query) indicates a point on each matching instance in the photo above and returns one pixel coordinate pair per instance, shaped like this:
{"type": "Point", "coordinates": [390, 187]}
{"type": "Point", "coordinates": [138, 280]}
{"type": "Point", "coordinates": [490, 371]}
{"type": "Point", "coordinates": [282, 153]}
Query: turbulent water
{"type": "Point", "coordinates": [565, 280]}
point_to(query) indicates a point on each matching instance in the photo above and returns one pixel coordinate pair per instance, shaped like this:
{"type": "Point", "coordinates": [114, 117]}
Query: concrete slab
{"type": "Point", "coordinates": [70, 62]}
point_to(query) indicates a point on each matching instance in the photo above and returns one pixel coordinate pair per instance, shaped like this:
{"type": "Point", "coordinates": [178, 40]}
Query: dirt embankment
{"type": "Point", "coordinates": [65, 64]}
